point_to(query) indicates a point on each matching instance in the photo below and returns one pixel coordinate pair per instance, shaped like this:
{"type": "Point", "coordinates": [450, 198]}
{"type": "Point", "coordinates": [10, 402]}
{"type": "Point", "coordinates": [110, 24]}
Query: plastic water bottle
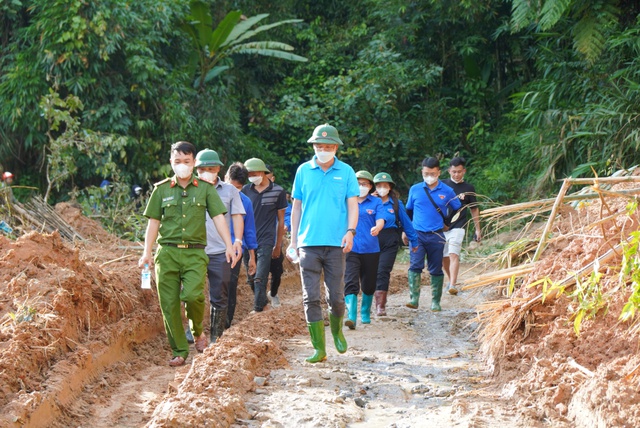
{"type": "Point", "coordinates": [292, 255]}
{"type": "Point", "coordinates": [146, 277]}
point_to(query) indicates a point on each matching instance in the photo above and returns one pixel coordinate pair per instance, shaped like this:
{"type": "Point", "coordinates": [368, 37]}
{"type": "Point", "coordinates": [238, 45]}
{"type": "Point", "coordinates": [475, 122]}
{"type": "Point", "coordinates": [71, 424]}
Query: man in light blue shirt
{"type": "Point", "coordinates": [427, 204]}
{"type": "Point", "coordinates": [324, 217]}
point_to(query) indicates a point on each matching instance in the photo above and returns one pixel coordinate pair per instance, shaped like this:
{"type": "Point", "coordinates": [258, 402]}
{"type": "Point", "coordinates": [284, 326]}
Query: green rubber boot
{"type": "Point", "coordinates": [316, 330]}
{"type": "Point", "coordinates": [436, 292]}
{"type": "Point", "coordinates": [351, 300]}
{"type": "Point", "coordinates": [336, 332]}
{"type": "Point", "coordinates": [414, 289]}
{"type": "Point", "coordinates": [365, 308]}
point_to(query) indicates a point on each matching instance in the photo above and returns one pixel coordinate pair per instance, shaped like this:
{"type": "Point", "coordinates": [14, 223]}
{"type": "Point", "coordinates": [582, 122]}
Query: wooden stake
{"type": "Point", "coordinates": [549, 225]}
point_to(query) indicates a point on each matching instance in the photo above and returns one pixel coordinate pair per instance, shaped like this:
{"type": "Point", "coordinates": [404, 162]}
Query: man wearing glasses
{"type": "Point", "coordinates": [427, 203]}
{"type": "Point", "coordinates": [177, 212]}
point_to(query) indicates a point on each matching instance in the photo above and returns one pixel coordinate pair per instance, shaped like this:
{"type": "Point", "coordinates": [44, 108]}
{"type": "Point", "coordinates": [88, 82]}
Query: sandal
{"type": "Point", "coordinates": [177, 361]}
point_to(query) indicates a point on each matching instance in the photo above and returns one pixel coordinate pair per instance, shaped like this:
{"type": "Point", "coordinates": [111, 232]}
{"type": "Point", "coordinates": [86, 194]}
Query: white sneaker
{"type": "Point", "coordinates": [453, 290]}
{"type": "Point", "coordinates": [275, 301]}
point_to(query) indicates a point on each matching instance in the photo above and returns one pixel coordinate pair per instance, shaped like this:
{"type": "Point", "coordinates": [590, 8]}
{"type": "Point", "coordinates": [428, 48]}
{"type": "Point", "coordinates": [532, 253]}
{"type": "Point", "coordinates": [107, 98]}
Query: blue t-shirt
{"type": "Point", "coordinates": [425, 216]}
{"type": "Point", "coordinates": [369, 211]}
{"type": "Point", "coordinates": [249, 240]}
{"type": "Point", "coordinates": [287, 217]}
{"type": "Point", "coordinates": [323, 196]}
{"type": "Point", "coordinates": [390, 220]}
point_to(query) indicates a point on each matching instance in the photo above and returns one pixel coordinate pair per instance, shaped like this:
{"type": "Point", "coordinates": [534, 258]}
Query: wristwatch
{"type": "Point", "coordinates": [353, 231]}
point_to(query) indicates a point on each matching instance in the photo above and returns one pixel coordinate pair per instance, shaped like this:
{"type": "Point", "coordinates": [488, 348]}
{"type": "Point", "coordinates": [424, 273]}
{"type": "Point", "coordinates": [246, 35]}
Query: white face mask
{"type": "Point", "coordinates": [255, 180]}
{"type": "Point", "coordinates": [457, 182]}
{"type": "Point", "coordinates": [364, 191]}
{"type": "Point", "coordinates": [382, 191]}
{"type": "Point", "coordinates": [324, 157]}
{"type": "Point", "coordinates": [211, 177]}
{"type": "Point", "coordinates": [430, 180]}
{"type": "Point", "coordinates": [182, 170]}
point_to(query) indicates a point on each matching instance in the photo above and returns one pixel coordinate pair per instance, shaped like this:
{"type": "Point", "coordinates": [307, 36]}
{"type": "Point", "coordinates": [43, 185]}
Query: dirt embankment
{"type": "Point", "coordinates": [549, 371]}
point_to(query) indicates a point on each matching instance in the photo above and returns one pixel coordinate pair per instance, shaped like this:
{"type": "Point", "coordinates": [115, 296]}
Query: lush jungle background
{"type": "Point", "coordinates": [528, 92]}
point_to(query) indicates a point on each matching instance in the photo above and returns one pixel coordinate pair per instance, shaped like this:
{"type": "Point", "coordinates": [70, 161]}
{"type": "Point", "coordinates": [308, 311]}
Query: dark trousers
{"type": "Point", "coordinates": [258, 282]}
{"type": "Point", "coordinates": [233, 292]}
{"type": "Point", "coordinates": [389, 240]}
{"type": "Point", "coordinates": [219, 273]}
{"type": "Point", "coordinates": [317, 263]}
{"type": "Point", "coordinates": [431, 245]}
{"type": "Point", "coordinates": [276, 273]}
{"type": "Point", "coordinates": [360, 272]}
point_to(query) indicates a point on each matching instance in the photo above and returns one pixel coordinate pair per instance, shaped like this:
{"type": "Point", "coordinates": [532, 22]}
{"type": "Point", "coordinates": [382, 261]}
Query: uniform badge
{"type": "Point", "coordinates": [369, 212]}
{"type": "Point", "coordinates": [442, 197]}
{"type": "Point", "coordinates": [391, 211]}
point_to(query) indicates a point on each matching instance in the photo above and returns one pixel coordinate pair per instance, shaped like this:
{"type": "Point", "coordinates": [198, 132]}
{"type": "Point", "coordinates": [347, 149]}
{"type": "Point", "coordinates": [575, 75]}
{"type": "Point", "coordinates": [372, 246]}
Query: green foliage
{"type": "Point", "coordinates": [587, 296]}
{"type": "Point", "coordinates": [118, 212]}
{"type": "Point", "coordinates": [213, 47]}
{"type": "Point", "coordinates": [64, 149]}
{"type": "Point", "coordinates": [629, 277]}
{"type": "Point", "coordinates": [528, 92]}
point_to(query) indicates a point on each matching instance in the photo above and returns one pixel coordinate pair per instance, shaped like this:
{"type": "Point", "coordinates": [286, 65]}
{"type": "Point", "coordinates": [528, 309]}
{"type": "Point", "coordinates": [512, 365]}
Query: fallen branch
{"type": "Point", "coordinates": [583, 369]}
{"type": "Point", "coordinates": [118, 259]}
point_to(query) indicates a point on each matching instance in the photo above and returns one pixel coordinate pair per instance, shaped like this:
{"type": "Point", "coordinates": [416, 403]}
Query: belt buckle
{"type": "Point", "coordinates": [182, 245]}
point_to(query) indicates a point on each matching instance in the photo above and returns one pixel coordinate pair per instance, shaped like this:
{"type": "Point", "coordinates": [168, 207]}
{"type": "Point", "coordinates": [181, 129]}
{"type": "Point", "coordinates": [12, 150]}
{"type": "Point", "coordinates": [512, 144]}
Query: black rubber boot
{"type": "Point", "coordinates": [218, 320]}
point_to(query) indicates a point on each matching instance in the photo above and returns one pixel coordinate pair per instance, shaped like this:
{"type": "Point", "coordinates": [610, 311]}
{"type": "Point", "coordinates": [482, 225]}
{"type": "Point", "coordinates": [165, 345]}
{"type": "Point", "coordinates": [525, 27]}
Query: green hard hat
{"type": "Point", "coordinates": [383, 177]}
{"type": "Point", "coordinates": [364, 174]}
{"type": "Point", "coordinates": [325, 134]}
{"type": "Point", "coordinates": [208, 157]}
{"type": "Point", "coordinates": [255, 165]}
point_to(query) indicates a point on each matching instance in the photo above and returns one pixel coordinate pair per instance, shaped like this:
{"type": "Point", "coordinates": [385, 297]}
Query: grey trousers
{"type": "Point", "coordinates": [314, 261]}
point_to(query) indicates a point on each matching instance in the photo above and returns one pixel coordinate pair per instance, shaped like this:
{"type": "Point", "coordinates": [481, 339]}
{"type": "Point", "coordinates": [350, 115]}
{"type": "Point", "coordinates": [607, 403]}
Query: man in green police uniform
{"type": "Point", "coordinates": [176, 212]}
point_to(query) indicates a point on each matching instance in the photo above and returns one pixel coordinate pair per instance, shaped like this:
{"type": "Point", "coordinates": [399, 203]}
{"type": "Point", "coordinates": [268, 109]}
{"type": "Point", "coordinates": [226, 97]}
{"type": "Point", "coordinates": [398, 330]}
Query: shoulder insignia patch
{"type": "Point", "coordinates": [162, 182]}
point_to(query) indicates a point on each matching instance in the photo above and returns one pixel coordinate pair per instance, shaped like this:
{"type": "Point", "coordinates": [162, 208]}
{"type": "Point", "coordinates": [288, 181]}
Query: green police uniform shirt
{"type": "Point", "coordinates": [182, 211]}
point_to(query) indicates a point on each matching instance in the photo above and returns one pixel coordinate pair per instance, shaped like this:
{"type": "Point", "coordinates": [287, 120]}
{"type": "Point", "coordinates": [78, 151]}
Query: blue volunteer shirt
{"type": "Point", "coordinates": [249, 240]}
{"type": "Point", "coordinates": [425, 216]}
{"type": "Point", "coordinates": [369, 211]}
{"type": "Point", "coordinates": [323, 196]}
{"type": "Point", "coordinates": [390, 220]}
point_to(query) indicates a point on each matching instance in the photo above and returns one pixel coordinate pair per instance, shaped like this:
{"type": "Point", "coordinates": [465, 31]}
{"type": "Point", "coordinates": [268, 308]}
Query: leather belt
{"type": "Point", "coordinates": [185, 245]}
{"type": "Point", "coordinates": [436, 231]}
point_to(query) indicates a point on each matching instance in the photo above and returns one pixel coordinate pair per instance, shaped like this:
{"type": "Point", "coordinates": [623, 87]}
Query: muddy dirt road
{"type": "Point", "coordinates": [407, 369]}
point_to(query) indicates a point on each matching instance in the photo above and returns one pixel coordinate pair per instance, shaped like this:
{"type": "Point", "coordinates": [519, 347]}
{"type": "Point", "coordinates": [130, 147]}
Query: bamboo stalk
{"type": "Point", "coordinates": [627, 179]}
{"type": "Point", "coordinates": [497, 276]}
{"type": "Point", "coordinates": [118, 259]}
{"type": "Point", "coordinates": [552, 216]}
{"type": "Point", "coordinates": [541, 204]}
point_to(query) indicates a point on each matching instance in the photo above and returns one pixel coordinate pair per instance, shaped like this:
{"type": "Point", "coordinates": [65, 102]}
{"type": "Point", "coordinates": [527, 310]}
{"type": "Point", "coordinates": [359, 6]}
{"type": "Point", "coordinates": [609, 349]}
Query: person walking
{"type": "Point", "coordinates": [176, 212]}
{"type": "Point", "coordinates": [361, 266]}
{"type": "Point", "coordinates": [427, 204]}
{"type": "Point", "coordinates": [276, 269]}
{"type": "Point", "coordinates": [397, 223]}
{"type": "Point", "coordinates": [237, 176]}
{"type": "Point", "coordinates": [324, 217]}
{"type": "Point", "coordinates": [269, 202]}
{"type": "Point", "coordinates": [455, 235]}
{"type": "Point", "coordinates": [219, 269]}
